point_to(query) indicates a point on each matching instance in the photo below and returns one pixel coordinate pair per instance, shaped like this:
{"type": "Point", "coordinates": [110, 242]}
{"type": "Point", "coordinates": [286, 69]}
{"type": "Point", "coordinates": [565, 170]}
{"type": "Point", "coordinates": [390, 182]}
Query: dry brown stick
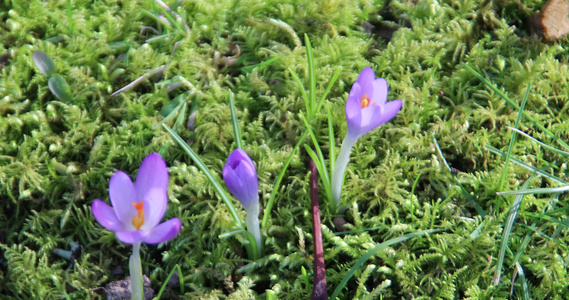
{"type": "Point", "coordinates": [319, 291]}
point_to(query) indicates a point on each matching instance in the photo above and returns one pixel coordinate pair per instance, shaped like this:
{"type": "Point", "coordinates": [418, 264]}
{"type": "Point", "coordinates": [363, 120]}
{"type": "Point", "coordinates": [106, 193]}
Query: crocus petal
{"type": "Point", "coordinates": [151, 186]}
{"type": "Point", "coordinates": [370, 117]}
{"type": "Point", "coordinates": [389, 110]}
{"type": "Point", "coordinates": [122, 193]}
{"type": "Point", "coordinates": [163, 232]}
{"type": "Point", "coordinates": [353, 115]}
{"type": "Point", "coordinates": [366, 76]}
{"type": "Point", "coordinates": [130, 237]}
{"type": "Point", "coordinates": [380, 90]}
{"type": "Point", "coordinates": [239, 155]}
{"type": "Point", "coordinates": [106, 216]}
{"type": "Point", "coordinates": [234, 184]}
{"type": "Point", "coordinates": [152, 213]}
{"type": "Point", "coordinates": [240, 177]}
{"type": "Point", "coordinates": [249, 175]}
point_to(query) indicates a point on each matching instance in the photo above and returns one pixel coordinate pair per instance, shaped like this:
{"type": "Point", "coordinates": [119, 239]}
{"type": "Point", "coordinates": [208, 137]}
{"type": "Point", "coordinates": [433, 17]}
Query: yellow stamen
{"type": "Point", "coordinates": [138, 220]}
{"type": "Point", "coordinates": [364, 101]}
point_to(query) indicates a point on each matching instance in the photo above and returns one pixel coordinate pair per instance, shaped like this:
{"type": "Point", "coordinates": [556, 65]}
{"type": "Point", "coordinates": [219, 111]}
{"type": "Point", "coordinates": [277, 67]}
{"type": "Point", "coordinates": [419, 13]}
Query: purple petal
{"type": "Point", "coordinates": [380, 90]}
{"type": "Point", "coordinates": [389, 110]}
{"type": "Point", "coordinates": [366, 77]}
{"type": "Point", "coordinates": [106, 216]}
{"type": "Point", "coordinates": [152, 215]}
{"type": "Point", "coordinates": [151, 186]}
{"type": "Point", "coordinates": [235, 184]}
{"type": "Point", "coordinates": [239, 155]}
{"type": "Point", "coordinates": [353, 113]}
{"type": "Point", "coordinates": [163, 232]}
{"type": "Point", "coordinates": [130, 237]}
{"type": "Point", "coordinates": [370, 118]}
{"type": "Point", "coordinates": [240, 177]}
{"type": "Point", "coordinates": [122, 193]}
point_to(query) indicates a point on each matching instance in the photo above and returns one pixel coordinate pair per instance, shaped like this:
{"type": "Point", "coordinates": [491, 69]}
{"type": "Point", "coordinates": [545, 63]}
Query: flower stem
{"type": "Point", "coordinates": [340, 169]}
{"type": "Point", "coordinates": [252, 221]}
{"type": "Point", "coordinates": [135, 268]}
{"type": "Point", "coordinates": [319, 291]}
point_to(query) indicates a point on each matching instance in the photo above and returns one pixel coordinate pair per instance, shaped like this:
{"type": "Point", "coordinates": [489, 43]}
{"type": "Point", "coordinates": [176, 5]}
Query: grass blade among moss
{"type": "Point", "coordinates": [277, 183]}
{"type": "Point", "coordinates": [373, 252]}
{"type": "Point", "coordinates": [506, 233]}
{"type": "Point", "coordinates": [514, 105]}
{"type": "Point", "coordinates": [196, 159]}
{"type": "Point", "coordinates": [236, 131]}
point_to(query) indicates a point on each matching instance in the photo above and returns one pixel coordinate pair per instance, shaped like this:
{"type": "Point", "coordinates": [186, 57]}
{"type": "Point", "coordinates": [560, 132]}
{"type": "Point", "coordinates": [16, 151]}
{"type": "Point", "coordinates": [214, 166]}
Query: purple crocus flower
{"type": "Point", "coordinates": [240, 177]}
{"type": "Point", "coordinates": [138, 208]}
{"type": "Point", "coordinates": [366, 107]}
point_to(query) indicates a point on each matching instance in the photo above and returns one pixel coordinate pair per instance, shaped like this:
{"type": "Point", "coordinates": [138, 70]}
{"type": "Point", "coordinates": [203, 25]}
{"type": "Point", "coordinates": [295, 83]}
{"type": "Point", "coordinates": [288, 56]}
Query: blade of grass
{"type": "Point", "coordinates": [181, 278]}
{"type": "Point", "coordinates": [302, 91]}
{"type": "Point", "coordinates": [317, 147]}
{"type": "Point", "coordinates": [331, 139]}
{"type": "Point", "coordinates": [328, 88]}
{"type": "Point", "coordinates": [268, 62]}
{"type": "Point", "coordinates": [157, 19]}
{"type": "Point", "coordinates": [512, 143]}
{"type": "Point", "coordinates": [196, 159]}
{"type": "Point", "coordinates": [413, 193]}
{"type": "Point", "coordinates": [506, 232]}
{"type": "Point", "coordinates": [542, 234]}
{"type": "Point", "coordinates": [170, 109]}
{"type": "Point", "coordinates": [321, 168]}
{"type": "Point", "coordinates": [514, 105]}
{"type": "Point", "coordinates": [311, 76]}
{"type": "Point", "coordinates": [531, 168]}
{"type": "Point", "coordinates": [558, 151]}
{"type": "Point", "coordinates": [373, 252]}
{"type": "Point", "coordinates": [525, 288]}
{"type": "Point", "coordinates": [548, 218]}
{"type": "Point", "coordinates": [181, 116]}
{"type": "Point", "coordinates": [236, 131]}
{"type": "Point", "coordinates": [560, 189]}
{"type": "Point", "coordinates": [70, 17]}
{"type": "Point", "coordinates": [277, 183]}
{"type": "Point", "coordinates": [321, 163]}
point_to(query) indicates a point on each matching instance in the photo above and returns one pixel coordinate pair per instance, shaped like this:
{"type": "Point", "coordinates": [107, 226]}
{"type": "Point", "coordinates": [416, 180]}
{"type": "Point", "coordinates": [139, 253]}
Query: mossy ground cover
{"type": "Point", "coordinates": [56, 157]}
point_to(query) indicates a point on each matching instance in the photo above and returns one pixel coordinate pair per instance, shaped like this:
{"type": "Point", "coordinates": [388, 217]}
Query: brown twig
{"type": "Point", "coordinates": [319, 291]}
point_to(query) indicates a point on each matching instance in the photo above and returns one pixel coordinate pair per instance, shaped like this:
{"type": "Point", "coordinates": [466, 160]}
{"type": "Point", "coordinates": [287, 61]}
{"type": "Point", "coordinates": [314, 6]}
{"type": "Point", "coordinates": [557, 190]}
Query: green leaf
{"type": "Point", "coordinates": [44, 63]}
{"type": "Point", "coordinates": [59, 87]}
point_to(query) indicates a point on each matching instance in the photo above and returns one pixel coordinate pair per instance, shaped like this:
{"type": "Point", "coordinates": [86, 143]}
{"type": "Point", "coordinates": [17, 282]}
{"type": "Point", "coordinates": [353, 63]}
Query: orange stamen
{"type": "Point", "coordinates": [364, 101]}
{"type": "Point", "coordinates": [138, 220]}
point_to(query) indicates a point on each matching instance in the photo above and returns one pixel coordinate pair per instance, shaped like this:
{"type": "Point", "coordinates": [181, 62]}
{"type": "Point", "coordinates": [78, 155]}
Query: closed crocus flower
{"type": "Point", "coordinates": [138, 208]}
{"type": "Point", "coordinates": [240, 177]}
{"type": "Point", "coordinates": [366, 109]}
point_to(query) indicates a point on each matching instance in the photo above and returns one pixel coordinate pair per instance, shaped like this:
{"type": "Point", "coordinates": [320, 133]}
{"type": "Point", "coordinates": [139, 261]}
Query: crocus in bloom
{"type": "Point", "coordinates": [240, 178]}
{"type": "Point", "coordinates": [138, 208]}
{"type": "Point", "coordinates": [366, 109]}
